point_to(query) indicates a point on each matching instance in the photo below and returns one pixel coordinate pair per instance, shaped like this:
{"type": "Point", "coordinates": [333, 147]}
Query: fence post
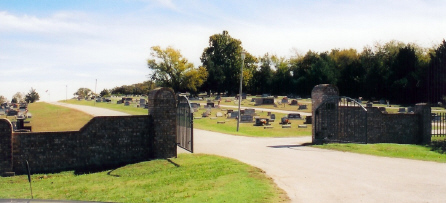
{"type": "Point", "coordinates": [5, 146]}
{"type": "Point", "coordinates": [425, 122]}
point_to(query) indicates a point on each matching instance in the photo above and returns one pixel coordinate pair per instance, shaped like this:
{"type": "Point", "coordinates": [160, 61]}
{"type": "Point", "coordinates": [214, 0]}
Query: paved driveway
{"type": "Point", "coordinates": [309, 174]}
{"type": "Point", "coordinates": [315, 175]}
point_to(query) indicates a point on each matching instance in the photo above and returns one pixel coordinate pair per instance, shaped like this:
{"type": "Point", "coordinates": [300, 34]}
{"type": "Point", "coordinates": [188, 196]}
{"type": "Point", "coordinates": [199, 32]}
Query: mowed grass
{"type": "Point", "coordinates": [188, 178]}
{"type": "Point", "coordinates": [248, 129]}
{"type": "Point", "coordinates": [435, 151]}
{"type": "Point", "coordinates": [247, 103]}
{"type": "Point", "coordinates": [112, 105]}
{"type": "Point", "coordinates": [48, 117]}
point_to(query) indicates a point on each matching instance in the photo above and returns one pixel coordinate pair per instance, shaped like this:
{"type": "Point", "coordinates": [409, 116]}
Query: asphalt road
{"type": "Point", "coordinates": [309, 174]}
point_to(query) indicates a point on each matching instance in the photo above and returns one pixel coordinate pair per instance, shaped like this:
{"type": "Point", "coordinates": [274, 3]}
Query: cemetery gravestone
{"type": "Point", "coordinates": [12, 112]}
{"type": "Point", "coordinates": [294, 102]}
{"type": "Point", "coordinates": [250, 112]}
{"type": "Point", "coordinates": [308, 120]}
{"type": "Point", "coordinates": [402, 110]}
{"type": "Point", "coordinates": [211, 104]}
{"type": "Point", "coordinates": [284, 121]}
{"type": "Point", "coordinates": [233, 114]}
{"type": "Point", "coordinates": [127, 103]}
{"type": "Point", "coordinates": [268, 100]}
{"type": "Point", "coordinates": [206, 113]}
{"type": "Point", "coordinates": [302, 107]}
{"type": "Point", "coordinates": [246, 119]}
{"type": "Point", "coordinates": [262, 121]}
{"type": "Point", "coordinates": [285, 100]}
{"type": "Point", "coordinates": [219, 114]}
{"type": "Point", "coordinates": [273, 117]}
{"type": "Point", "coordinates": [195, 105]}
{"type": "Point", "coordinates": [294, 116]}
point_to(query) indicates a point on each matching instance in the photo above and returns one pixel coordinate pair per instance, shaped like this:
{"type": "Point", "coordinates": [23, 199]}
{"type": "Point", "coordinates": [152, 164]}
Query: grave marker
{"type": "Point", "coordinates": [302, 107]}
{"type": "Point", "coordinates": [262, 122]}
{"type": "Point", "coordinates": [250, 112]}
{"type": "Point", "coordinates": [246, 119]}
{"type": "Point", "coordinates": [294, 102]}
{"type": "Point", "coordinates": [294, 116]}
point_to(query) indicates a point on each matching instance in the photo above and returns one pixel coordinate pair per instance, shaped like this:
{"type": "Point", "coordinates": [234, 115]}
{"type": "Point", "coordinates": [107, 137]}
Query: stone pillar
{"type": "Point", "coordinates": [5, 146]}
{"type": "Point", "coordinates": [162, 113]}
{"type": "Point", "coordinates": [319, 95]}
{"type": "Point", "coordinates": [425, 123]}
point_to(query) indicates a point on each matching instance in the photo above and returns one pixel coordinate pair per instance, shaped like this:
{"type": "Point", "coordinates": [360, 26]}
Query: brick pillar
{"type": "Point", "coordinates": [319, 95]}
{"type": "Point", "coordinates": [5, 146]}
{"type": "Point", "coordinates": [162, 114]}
{"type": "Point", "coordinates": [425, 123]}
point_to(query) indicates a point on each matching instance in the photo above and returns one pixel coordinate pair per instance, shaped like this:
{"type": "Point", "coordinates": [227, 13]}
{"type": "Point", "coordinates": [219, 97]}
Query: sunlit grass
{"type": "Point", "coordinates": [48, 117]}
{"type": "Point", "coordinates": [112, 105]}
{"type": "Point", "coordinates": [248, 129]}
{"type": "Point", "coordinates": [188, 178]}
{"type": "Point", "coordinates": [417, 152]}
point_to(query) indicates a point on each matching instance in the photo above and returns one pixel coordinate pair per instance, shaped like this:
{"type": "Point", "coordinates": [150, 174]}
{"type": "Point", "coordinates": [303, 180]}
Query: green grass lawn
{"type": "Point", "coordinates": [248, 129]}
{"type": "Point", "coordinates": [188, 178]}
{"type": "Point", "coordinates": [48, 117]}
{"type": "Point", "coordinates": [247, 103]}
{"type": "Point", "coordinates": [435, 151]}
{"type": "Point", "coordinates": [112, 105]}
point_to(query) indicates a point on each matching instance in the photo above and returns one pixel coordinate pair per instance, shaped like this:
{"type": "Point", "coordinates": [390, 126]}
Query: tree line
{"type": "Point", "coordinates": [20, 97]}
{"type": "Point", "coordinates": [395, 71]}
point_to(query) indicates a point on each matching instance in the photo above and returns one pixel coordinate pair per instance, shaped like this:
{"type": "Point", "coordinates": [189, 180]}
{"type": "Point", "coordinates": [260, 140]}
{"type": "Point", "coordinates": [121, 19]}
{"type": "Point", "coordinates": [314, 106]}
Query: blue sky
{"type": "Point", "coordinates": [61, 46]}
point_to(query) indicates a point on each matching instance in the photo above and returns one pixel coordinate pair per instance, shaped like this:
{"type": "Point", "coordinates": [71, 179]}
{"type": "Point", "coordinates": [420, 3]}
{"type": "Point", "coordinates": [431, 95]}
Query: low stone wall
{"type": "Point", "coordinates": [335, 123]}
{"type": "Point", "coordinates": [392, 128]}
{"type": "Point", "coordinates": [102, 142]}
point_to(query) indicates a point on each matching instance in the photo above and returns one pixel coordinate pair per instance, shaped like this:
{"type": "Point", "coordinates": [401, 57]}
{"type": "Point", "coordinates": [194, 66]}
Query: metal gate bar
{"type": "Point", "coordinates": [185, 126]}
{"type": "Point", "coordinates": [438, 125]}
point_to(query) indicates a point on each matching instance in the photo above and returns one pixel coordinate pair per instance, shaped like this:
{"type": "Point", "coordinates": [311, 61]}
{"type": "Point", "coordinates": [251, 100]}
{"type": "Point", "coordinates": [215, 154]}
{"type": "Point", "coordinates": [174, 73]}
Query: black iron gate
{"type": "Point", "coordinates": [340, 119]}
{"type": "Point", "coordinates": [185, 124]}
{"type": "Point", "coordinates": [438, 125]}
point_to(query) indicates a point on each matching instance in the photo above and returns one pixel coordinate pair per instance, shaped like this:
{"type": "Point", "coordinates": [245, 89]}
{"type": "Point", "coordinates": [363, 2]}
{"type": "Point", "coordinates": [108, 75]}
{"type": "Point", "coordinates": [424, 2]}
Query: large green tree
{"type": "Point", "coordinates": [83, 92]}
{"type": "Point", "coordinates": [222, 60]}
{"type": "Point", "coordinates": [18, 97]}
{"type": "Point", "coordinates": [2, 99]}
{"type": "Point", "coordinates": [171, 69]}
{"type": "Point", "coordinates": [32, 96]}
{"type": "Point", "coordinates": [436, 77]}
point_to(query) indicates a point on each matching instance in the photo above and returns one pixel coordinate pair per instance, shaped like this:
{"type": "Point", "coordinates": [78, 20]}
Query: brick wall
{"type": "Point", "coordinates": [101, 143]}
{"type": "Point", "coordinates": [5, 146]}
{"type": "Point", "coordinates": [354, 124]}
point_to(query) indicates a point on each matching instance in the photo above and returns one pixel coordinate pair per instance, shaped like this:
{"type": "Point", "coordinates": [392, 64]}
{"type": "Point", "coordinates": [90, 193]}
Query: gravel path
{"type": "Point", "coordinates": [309, 174]}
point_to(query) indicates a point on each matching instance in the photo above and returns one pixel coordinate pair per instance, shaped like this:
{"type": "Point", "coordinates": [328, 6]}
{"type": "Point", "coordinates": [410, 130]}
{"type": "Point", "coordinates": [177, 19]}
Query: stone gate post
{"type": "Point", "coordinates": [5, 146]}
{"type": "Point", "coordinates": [320, 94]}
{"type": "Point", "coordinates": [162, 113]}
